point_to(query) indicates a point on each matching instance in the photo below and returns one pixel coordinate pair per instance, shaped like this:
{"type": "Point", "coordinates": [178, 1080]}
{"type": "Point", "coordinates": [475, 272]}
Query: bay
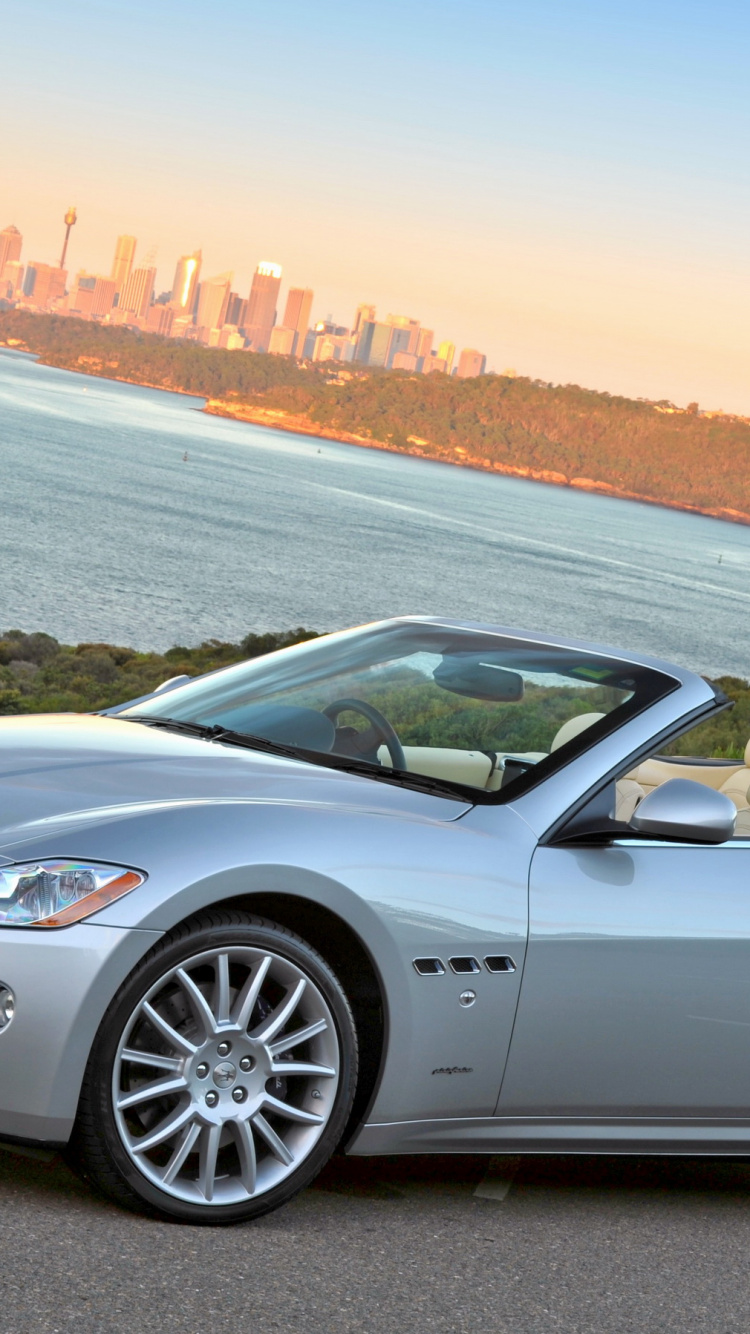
{"type": "Point", "coordinates": [108, 534]}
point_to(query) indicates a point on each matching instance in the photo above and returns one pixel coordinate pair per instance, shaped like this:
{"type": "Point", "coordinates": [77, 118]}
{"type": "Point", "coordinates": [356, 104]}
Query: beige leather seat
{"type": "Point", "coordinates": [737, 785]}
{"type": "Point", "coordinates": [573, 727]}
{"type": "Point", "coordinates": [628, 792]}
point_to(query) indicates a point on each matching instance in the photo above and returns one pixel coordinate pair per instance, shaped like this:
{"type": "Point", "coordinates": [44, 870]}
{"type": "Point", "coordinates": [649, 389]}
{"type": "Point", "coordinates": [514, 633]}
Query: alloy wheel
{"type": "Point", "coordinates": [225, 1076]}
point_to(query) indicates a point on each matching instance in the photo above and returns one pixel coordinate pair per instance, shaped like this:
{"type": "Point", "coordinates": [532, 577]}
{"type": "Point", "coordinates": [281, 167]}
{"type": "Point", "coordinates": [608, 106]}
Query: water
{"type": "Point", "coordinates": [106, 534]}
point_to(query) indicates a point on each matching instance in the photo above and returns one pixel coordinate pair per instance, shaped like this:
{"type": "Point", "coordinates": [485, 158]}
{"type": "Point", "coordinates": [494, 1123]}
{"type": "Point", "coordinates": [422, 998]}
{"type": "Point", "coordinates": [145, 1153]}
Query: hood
{"type": "Point", "coordinates": [54, 766]}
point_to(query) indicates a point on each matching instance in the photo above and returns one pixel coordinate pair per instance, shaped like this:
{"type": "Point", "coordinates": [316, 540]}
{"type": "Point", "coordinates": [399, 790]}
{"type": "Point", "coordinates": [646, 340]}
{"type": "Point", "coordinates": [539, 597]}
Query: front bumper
{"type": "Point", "coordinates": [63, 981]}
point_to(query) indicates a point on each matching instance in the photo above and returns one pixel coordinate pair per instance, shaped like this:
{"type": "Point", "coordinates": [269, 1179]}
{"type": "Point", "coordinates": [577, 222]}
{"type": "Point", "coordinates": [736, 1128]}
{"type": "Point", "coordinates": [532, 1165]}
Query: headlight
{"type": "Point", "coordinates": [58, 893]}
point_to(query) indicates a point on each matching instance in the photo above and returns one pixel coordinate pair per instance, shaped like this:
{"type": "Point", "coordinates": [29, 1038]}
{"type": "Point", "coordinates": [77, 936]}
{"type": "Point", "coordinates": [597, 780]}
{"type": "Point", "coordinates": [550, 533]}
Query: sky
{"type": "Point", "coordinates": [562, 184]}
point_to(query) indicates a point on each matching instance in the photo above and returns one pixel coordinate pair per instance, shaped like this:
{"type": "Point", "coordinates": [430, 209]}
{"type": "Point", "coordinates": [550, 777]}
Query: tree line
{"type": "Point", "coordinates": [569, 433]}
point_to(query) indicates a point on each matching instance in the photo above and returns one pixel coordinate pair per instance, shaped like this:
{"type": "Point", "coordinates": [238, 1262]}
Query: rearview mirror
{"type": "Point", "coordinates": [685, 810]}
{"type": "Point", "coordinates": [480, 676]}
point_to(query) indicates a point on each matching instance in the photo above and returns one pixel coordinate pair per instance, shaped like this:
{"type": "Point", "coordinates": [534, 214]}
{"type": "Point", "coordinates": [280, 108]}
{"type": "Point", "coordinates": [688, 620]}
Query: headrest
{"type": "Point", "coordinates": [576, 725]}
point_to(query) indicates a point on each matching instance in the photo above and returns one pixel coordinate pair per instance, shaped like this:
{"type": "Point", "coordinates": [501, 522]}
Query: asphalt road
{"type": "Point", "coordinates": [575, 1245]}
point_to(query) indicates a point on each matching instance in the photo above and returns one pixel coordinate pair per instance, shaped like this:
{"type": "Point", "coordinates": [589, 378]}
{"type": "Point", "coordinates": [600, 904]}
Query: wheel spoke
{"type": "Point", "coordinates": [151, 1058]}
{"type": "Point", "coordinates": [245, 1003]}
{"type": "Point", "coordinates": [286, 1110]}
{"type": "Point", "coordinates": [183, 1148]}
{"type": "Point", "coordinates": [277, 1146]}
{"type": "Point", "coordinates": [281, 1015]}
{"type": "Point", "coordinates": [168, 1127]}
{"type": "Point", "coordinates": [246, 1152]}
{"type": "Point", "coordinates": [221, 994]}
{"type": "Point", "coordinates": [209, 1149]}
{"type": "Point", "coordinates": [285, 1068]}
{"type": "Point", "coordinates": [301, 1035]}
{"type": "Point", "coordinates": [156, 1089]}
{"type": "Point", "coordinates": [167, 1031]}
{"type": "Point", "coordinates": [198, 1003]}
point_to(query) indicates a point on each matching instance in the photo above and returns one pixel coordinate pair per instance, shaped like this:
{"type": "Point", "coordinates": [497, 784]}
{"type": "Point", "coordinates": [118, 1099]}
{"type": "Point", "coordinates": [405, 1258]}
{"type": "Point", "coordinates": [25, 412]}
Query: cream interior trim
{"type": "Point", "coordinates": [652, 773]}
{"type": "Point", "coordinates": [455, 766]}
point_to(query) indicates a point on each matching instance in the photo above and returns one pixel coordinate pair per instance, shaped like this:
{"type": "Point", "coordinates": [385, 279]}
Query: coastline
{"type": "Point", "coordinates": [280, 420]}
{"type": "Point", "coordinates": [277, 419]}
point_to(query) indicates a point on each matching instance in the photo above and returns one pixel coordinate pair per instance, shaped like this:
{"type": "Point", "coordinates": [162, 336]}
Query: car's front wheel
{"type": "Point", "coordinates": [222, 1075]}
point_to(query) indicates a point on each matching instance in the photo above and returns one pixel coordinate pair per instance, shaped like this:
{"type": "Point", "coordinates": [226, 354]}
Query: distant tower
{"type": "Point", "coordinates": [10, 246]}
{"type": "Point", "coordinates": [213, 300]}
{"type": "Point", "coordinates": [136, 295]}
{"type": "Point", "coordinates": [424, 342]}
{"type": "Point", "coordinates": [365, 315]}
{"type": "Point", "coordinates": [185, 283]}
{"type": "Point", "coordinates": [122, 263]}
{"type": "Point", "coordinates": [71, 219]}
{"type": "Point", "coordinates": [471, 363]}
{"type": "Point", "coordinates": [446, 353]}
{"type": "Point", "coordinates": [261, 305]}
{"type": "Point", "coordinates": [297, 316]}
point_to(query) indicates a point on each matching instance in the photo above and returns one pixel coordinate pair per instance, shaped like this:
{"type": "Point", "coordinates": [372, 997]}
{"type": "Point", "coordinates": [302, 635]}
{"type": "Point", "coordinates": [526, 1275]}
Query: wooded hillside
{"type": "Point", "coordinates": [557, 433]}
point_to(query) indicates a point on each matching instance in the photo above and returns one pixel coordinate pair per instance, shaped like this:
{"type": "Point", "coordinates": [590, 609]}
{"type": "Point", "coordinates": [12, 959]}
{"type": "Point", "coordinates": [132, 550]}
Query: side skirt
{"type": "Point", "coordinates": [554, 1135]}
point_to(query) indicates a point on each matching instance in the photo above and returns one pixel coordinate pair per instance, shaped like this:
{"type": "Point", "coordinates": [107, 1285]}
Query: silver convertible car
{"type": "Point", "coordinates": [419, 887]}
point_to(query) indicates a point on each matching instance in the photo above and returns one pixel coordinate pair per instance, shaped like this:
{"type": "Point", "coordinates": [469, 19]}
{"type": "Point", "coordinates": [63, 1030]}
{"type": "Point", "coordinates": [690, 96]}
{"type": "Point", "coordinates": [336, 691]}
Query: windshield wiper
{"type": "Point", "coordinates": [216, 732]}
{"type": "Point", "coordinates": [329, 759]}
{"type": "Point", "coordinates": [201, 730]}
{"type": "Point", "coordinates": [366, 769]}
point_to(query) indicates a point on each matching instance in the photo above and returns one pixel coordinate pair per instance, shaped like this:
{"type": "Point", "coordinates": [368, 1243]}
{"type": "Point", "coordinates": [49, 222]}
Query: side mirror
{"type": "Point", "coordinates": [685, 810]}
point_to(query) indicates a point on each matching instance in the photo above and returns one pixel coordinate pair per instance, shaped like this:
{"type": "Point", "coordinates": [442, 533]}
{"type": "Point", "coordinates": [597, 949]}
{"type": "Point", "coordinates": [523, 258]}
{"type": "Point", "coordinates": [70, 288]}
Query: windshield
{"type": "Point", "coordinates": [467, 708]}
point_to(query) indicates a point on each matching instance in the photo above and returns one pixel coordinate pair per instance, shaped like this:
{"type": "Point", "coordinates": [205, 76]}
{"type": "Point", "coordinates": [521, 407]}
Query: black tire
{"type": "Point", "coordinates": [99, 1147]}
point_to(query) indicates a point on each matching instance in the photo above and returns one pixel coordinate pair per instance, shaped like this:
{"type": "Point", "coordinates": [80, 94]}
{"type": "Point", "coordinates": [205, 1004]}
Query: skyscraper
{"type": "Point", "coordinates": [471, 363]}
{"type": "Point", "coordinates": [92, 296]}
{"type": "Point", "coordinates": [138, 292]}
{"type": "Point", "coordinates": [186, 278]}
{"type": "Point", "coordinates": [236, 310]}
{"type": "Point", "coordinates": [406, 326]}
{"type": "Point", "coordinates": [10, 246]}
{"type": "Point", "coordinates": [123, 261]}
{"type": "Point", "coordinates": [297, 315]}
{"type": "Point", "coordinates": [399, 341]}
{"type": "Point", "coordinates": [44, 284]}
{"type": "Point", "coordinates": [281, 342]}
{"type": "Point", "coordinates": [261, 305]}
{"type": "Point", "coordinates": [11, 280]}
{"type": "Point", "coordinates": [159, 319]}
{"type": "Point", "coordinates": [213, 299]}
{"type": "Point", "coordinates": [446, 353]}
{"type": "Point", "coordinates": [373, 343]}
{"type": "Point", "coordinates": [365, 314]}
{"type": "Point", "coordinates": [424, 342]}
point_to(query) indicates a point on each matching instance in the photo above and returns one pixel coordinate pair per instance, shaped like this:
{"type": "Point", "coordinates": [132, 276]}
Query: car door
{"type": "Point", "coordinates": [635, 999]}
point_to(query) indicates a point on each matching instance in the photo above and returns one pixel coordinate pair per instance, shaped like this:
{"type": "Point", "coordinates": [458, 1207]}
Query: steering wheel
{"type": "Point", "coordinates": [380, 730]}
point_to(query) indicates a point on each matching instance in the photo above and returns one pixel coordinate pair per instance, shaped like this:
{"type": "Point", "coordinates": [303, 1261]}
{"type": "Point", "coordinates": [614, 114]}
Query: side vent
{"type": "Point", "coordinates": [464, 963]}
{"type": "Point", "coordinates": [429, 967]}
{"type": "Point", "coordinates": [499, 963]}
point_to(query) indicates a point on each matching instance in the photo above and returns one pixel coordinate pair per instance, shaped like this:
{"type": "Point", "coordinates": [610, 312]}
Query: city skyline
{"type": "Point", "coordinates": [562, 186]}
{"type": "Point", "coordinates": [206, 310]}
